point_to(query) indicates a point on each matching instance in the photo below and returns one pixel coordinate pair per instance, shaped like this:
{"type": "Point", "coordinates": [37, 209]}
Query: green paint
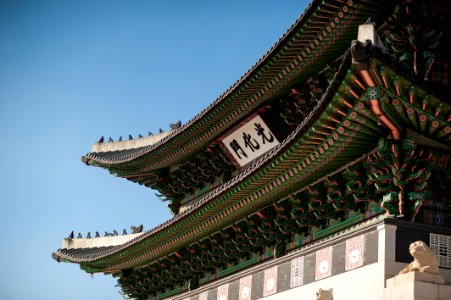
{"type": "Point", "coordinates": [339, 226]}
{"type": "Point", "coordinates": [169, 293]}
{"type": "Point", "coordinates": [238, 267]}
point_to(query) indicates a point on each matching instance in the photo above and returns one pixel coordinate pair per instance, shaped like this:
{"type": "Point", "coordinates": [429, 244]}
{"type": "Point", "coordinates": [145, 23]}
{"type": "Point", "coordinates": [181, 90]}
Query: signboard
{"type": "Point", "coordinates": [250, 140]}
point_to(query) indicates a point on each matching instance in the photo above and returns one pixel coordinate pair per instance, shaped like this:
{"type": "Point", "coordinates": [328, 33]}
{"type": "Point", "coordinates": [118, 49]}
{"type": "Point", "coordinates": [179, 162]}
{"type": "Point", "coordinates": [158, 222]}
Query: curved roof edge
{"type": "Point", "coordinates": [255, 166]}
{"type": "Point", "coordinates": [130, 144]}
{"type": "Point", "coordinates": [299, 60]}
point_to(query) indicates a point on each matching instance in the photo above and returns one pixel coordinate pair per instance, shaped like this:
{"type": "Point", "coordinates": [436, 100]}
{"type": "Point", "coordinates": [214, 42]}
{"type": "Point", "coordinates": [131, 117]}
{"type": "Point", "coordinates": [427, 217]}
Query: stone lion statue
{"type": "Point", "coordinates": [425, 260]}
{"type": "Point", "coordinates": [323, 294]}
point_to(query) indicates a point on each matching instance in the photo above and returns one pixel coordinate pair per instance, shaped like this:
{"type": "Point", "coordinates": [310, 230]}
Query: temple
{"type": "Point", "coordinates": [309, 177]}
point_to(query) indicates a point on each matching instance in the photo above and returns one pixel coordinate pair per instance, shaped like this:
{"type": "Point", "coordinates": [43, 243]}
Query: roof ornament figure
{"type": "Point", "coordinates": [175, 125]}
{"type": "Point", "coordinates": [97, 234]}
{"type": "Point", "coordinates": [149, 133]}
{"type": "Point", "coordinates": [140, 136]}
{"type": "Point", "coordinates": [369, 21]}
{"type": "Point", "coordinates": [101, 140]}
{"type": "Point", "coordinates": [358, 52]}
{"type": "Point", "coordinates": [130, 137]}
{"type": "Point", "coordinates": [110, 140]}
{"type": "Point", "coordinates": [106, 234]}
{"type": "Point", "coordinates": [115, 233]}
{"type": "Point", "coordinates": [71, 235]}
{"type": "Point", "coordinates": [124, 232]}
{"type": "Point", "coordinates": [160, 130]}
{"type": "Point", "coordinates": [137, 229]}
{"type": "Point", "coordinates": [88, 236]}
{"type": "Point", "coordinates": [120, 139]}
{"type": "Point", "coordinates": [79, 236]}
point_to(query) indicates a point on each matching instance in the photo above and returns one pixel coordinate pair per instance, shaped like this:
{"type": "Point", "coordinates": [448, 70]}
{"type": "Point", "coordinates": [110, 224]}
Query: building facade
{"type": "Point", "coordinates": [316, 169]}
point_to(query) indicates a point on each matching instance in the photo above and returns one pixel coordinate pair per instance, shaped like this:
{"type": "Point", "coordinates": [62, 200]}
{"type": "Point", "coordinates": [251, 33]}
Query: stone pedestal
{"type": "Point", "coordinates": [417, 286]}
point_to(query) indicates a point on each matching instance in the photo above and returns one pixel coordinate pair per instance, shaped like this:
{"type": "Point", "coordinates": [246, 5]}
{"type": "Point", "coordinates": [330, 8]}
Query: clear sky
{"type": "Point", "coordinates": [73, 71]}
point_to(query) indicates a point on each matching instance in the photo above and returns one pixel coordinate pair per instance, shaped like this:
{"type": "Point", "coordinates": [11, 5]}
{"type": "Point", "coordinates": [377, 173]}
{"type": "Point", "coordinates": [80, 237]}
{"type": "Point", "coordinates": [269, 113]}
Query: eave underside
{"type": "Point", "coordinates": [307, 155]}
{"type": "Point", "coordinates": [378, 140]}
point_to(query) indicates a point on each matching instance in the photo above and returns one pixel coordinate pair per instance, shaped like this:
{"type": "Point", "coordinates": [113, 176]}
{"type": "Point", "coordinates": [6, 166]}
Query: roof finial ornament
{"type": "Point", "coordinates": [71, 235]}
{"type": "Point", "coordinates": [115, 232]}
{"type": "Point", "coordinates": [140, 136]}
{"type": "Point", "coordinates": [97, 234]}
{"type": "Point", "coordinates": [130, 137]}
{"type": "Point", "coordinates": [137, 229]}
{"type": "Point", "coordinates": [101, 140]}
{"type": "Point", "coordinates": [160, 130]}
{"type": "Point", "coordinates": [106, 234]}
{"type": "Point", "coordinates": [175, 125]}
{"type": "Point", "coordinates": [124, 232]}
{"type": "Point", "coordinates": [369, 21]}
{"type": "Point", "coordinates": [110, 140]}
{"type": "Point", "coordinates": [358, 52]}
{"type": "Point", "coordinates": [149, 133]}
{"type": "Point", "coordinates": [88, 236]}
{"type": "Point", "coordinates": [79, 236]}
{"type": "Point", "coordinates": [120, 139]}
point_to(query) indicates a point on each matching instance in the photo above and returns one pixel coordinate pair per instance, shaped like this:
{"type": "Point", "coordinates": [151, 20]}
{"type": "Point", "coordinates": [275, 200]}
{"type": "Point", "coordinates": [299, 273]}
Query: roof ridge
{"type": "Point", "coordinates": [86, 158]}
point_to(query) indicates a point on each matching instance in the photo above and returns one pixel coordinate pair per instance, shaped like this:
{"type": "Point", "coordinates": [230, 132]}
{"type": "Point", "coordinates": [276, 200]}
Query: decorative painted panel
{"type": "Point", "coordinates": [245, 288]}
{"type": "Point", "coordinates": [203, 296]}
{"type": "Point", "coordinates": [323, 263]}
{"type": "Point", "coordinates": [354, 252]}
{"type": "Point", "coordinates": [223, 292]}
{"type": "Point", "coordinates": [270, 281]}
{"type": "Point", "coordinates": [297, 272]}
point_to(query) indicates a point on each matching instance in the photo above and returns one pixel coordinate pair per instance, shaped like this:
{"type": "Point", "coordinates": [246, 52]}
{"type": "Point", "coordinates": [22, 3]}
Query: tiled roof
{"type": "Point", "coordinates": [116, 155]}
{"type": "Point", "coordinates": [81, 252]}
{"type": "Point", "coordinates": [319, 35]}
{"type": "Point", "coordinates": [275, 158]}
{"type": "Point", "coordinates": [78, 257]}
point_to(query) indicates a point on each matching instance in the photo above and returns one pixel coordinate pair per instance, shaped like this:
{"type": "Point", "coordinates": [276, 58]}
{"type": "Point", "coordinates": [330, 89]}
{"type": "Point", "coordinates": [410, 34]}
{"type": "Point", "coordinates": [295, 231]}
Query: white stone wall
{"type": "Point", "coordinates": [351, 274]}
{"type": "Point", "coordinates": [376, 281]}
{"type": "Point", "coordinates": [363, 283]}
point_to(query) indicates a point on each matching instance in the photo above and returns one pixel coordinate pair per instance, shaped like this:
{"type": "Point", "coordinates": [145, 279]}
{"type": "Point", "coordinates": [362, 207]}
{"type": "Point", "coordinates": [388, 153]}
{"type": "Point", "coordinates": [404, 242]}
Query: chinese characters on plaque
{"type": "Point", "coordinates": [250, 140]}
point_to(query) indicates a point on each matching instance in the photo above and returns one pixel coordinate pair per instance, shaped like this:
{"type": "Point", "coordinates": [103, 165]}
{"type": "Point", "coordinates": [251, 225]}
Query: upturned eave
{"type": "Point", "coordinates": [321, 34]}
{"type": "Point", "coordinates": [297, 162]}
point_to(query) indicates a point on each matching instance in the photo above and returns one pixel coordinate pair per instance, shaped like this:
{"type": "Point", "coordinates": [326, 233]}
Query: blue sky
{"type": "Point", "coordinates": [72, 71]}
